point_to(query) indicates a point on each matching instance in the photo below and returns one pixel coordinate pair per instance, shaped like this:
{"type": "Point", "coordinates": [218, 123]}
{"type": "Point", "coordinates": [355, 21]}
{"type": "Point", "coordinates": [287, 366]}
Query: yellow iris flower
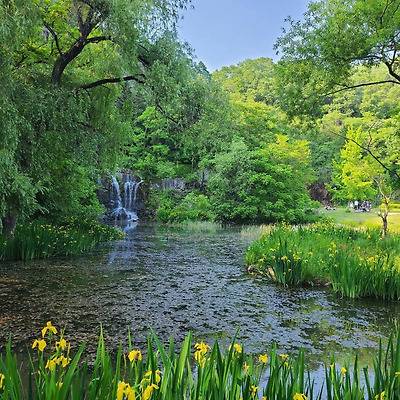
{"type": "Point", "coordinates": [61, 344]}
{"type": "Point", "coordinates": [200, 358]}
{"type": "Point", "coordinates": [64, 361]}
{"type": "Point", "coordinates": [157, 375]}
{"type": "Point", "coordinates": [253, 390]}
{"type": "Point", "coordinates": [135, 355]}
{"type": "Point", "coordinates": [299, 396]}
{"type": "Point", "coordinates": [39, 343]}
{"type": "Point", "coordinates": [125, 391]}
{"type": "Point", "coordinates": [284, 357]}
{"type": "Point", "coordinates": [380, 396]}
{"type": "Point", "coordinates": [201, 350]}
{"type": "Point", "coordinates": [343, 371]}
{"type": "Point", "coordinates": [51, 364]}
{"type": "Point", "coordinates": [2, 378]}
{"type": "Point", "coordinates": [149, 391]}
{"type": "Point", "coordinates": [246, 368]}
{"type": "Point", "coordinates": [238, 348]}
{"type": "Point", "coordinates": [49, 328]}
{"type": "Point", "coordinates": [202, 347]}
{"type": "Point", "coordinates": [263, 358]}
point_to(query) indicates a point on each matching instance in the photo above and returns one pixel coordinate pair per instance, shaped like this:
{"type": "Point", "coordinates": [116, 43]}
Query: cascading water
{"type": "Point", "coordinates": [126, 209]}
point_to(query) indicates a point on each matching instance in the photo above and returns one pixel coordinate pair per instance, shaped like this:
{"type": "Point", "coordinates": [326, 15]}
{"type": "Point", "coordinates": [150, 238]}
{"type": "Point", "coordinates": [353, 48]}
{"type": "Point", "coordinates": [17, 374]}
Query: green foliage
{"type": "Point", "coordinates": [150, 148]}
{"type": "Point", "coordinates": [354, 263]}
{"type": "Point", "coordinates": [173, 207]}
{"type": "Point", "coordinates": [90, 87]}
{"type": "Point", "coordinates": [250, 80]}
{"type": "Point", "coordinates": [62, 127]}
{"type": "Point", "coordinates": [356, 170]}
{"type": "Point", "coordinates": [166, 373]}
{"type": "Point", "coordinates": [183, 134]}
{"type": "Point", "coordinates": [319, 52]}
{"type": "Point", "coordinates": [39, 239]}
{"type": "Point", "coordinates": [260, 185]}
{"type": "Point", "coordinates": [286, 267]}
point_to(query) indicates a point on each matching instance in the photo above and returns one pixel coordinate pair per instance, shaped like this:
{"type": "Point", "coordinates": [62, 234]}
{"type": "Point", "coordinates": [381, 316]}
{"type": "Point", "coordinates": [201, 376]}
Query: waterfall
{"type": "Point", "coordinates": [116, 193]}
{"type": "Point", "coordinates": [126, 209]}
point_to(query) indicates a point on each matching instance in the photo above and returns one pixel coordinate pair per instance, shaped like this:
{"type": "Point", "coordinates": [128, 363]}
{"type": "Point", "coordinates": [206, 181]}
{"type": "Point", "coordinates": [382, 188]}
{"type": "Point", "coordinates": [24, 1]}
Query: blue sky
{"type": "Point", "coordinates": [224, 32]}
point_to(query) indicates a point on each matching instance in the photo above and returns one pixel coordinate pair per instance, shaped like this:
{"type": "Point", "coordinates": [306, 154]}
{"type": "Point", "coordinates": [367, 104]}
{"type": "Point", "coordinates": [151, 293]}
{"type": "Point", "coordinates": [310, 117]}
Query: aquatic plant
{"type": "Point", "coordinates": [40, 239]}
{"type": "Point", "coordinates": [355, 263]}
{"type": "Point", "coordinates": [58, 370]}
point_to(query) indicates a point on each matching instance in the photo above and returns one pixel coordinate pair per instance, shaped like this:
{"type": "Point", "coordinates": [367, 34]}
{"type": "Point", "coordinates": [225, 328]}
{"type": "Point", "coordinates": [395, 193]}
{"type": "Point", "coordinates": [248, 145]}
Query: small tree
{"type": "Point", "coordinates": [386, 195]}
{"type": "Point", "coordinates": [360, 176]}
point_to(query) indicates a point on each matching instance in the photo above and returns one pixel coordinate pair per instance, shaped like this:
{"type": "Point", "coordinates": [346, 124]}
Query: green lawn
{"type": "Point", "coordinates": [369, 220]}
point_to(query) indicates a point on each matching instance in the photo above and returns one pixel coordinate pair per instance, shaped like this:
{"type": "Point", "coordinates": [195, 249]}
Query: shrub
{"type": "Point", "coordinates": [251, 186]}
{"type": "Point", "coordinates": [172, 207]}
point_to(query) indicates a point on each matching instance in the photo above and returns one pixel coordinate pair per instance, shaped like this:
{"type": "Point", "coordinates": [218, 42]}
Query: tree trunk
{"type": "Point", "coordinates": [64, 59]}
{"type": "Point", "coordinates": [384, 217]}
{"type": "Point", "coordinates": [9, 223]}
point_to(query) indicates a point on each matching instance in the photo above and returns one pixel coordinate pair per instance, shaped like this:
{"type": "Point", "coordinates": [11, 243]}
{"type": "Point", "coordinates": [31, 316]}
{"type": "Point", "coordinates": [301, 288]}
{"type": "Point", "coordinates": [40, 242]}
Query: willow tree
{"type": "Point", "coordinates": [67, 69]}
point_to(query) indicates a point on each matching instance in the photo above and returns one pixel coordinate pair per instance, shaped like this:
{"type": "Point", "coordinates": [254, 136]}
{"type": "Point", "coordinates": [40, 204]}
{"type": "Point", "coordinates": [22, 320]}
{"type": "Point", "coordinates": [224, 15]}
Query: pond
{"type": "Point", "coordinates": [176, 280]}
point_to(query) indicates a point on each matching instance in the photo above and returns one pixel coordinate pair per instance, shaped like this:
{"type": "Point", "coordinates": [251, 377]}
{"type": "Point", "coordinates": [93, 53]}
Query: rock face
{"type": "Point", "coordinates": [122, 196]}
{"type": "Point", "coordinates": [320, 193]}
{"type": "Point", "coordinates": [177, 184]}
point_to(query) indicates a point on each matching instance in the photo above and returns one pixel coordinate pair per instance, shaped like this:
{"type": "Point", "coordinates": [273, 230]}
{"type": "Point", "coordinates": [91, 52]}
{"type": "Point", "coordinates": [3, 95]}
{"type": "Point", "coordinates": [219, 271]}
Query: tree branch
{"type": "Point", "coordinates": [100, 82]}
{"type": "Point", "coordinates": [385, 167]}
{"type": "Point", "coordinates": [55, 37]}
{"type": "Point", "coordinates": [166, 115]}
{"type": "Point", "coordinates": [361, 85]}
{"type": "Point", "coordinates": [97, 39]}
{"type": "Point", "coordinates": [391, 70]}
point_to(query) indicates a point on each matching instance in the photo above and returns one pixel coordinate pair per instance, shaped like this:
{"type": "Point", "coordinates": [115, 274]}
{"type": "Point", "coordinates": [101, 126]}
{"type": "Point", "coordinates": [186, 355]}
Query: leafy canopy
{"type": "Point", "coordinates": [318, 53]}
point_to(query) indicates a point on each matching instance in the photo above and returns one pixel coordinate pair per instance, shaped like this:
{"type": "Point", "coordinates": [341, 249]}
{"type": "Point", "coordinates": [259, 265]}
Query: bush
{"type": "Point", "coordinates": [249, 186]}
{"type": "Point", "coordinates": [173, 207]}
{"type": "Point", "coordinates": [354, 263]}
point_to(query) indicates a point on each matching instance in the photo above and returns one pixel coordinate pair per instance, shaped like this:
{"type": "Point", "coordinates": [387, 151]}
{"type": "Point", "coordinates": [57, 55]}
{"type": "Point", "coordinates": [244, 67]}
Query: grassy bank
{"type": "Point", "coordinates": [369, 220]}
{"type": "Point", "coordinates": [43, 240]}
{"type": "Point", "coordinates": [58, 371]}
{"type": "Point", "coordinates": [354, 263]}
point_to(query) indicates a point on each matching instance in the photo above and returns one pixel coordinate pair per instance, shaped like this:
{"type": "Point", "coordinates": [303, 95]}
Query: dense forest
{"type": "Point", "coordinates": [89, 89]}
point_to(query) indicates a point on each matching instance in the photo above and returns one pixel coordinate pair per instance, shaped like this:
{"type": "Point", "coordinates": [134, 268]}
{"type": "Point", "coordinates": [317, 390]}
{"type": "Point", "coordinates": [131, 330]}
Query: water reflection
{"type": "Point", "coordinates": [175, 280]}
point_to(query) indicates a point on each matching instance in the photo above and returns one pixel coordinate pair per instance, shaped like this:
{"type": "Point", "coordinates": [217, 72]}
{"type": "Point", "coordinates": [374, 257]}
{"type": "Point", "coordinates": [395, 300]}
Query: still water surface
{"type": "Point", "coordinates": [177, 280]}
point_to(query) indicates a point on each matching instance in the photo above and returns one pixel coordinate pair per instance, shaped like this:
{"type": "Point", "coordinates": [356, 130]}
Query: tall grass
{"type": "Point", "coordinates": [354, 263]}
{"type": "Point", "coordinates": [195, 371]}
{"type": "Point", "coordinates": [197, 226]}
{"type": "Point", "coordinates": [39, 239]}
{"type": "Point", "coordinates": [253, 232]}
